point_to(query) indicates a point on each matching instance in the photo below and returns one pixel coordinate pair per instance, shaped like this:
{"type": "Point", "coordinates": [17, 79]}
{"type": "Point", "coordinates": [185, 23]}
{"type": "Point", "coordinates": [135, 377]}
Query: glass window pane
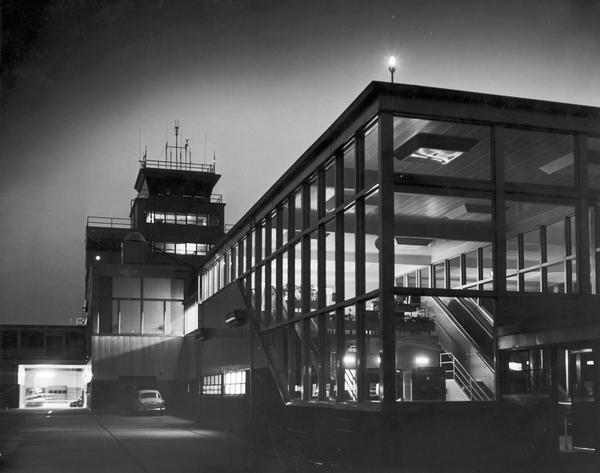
{"type": "Point", "coordinates": [350, 360]}
{"type": "Point", "coordinates": [531, 248]}
{"type": "Point", "coordinates": [374, 350]}
{"type": "Point", "coordinates": [454, 268]}
{"type": "Point", "coordinates": [538, 157]}
{"type": "Point", "coordinates": [154, 317]}
{"type": "Point", "coordinates": [131, 316]}
{"type": "Point", "coordinates": [287, 290]}
{"type": "Point", "coordinates": [532, 281]}
{"type": "Point", "coordinates": [163, 288]}
{"type": "Point", "coordinates": [330, 262]}
{"type": "Point", "coordinates": [297, 285]}
{"type": "Point", "coordinates": [441, 148]}
{"type": "Point", "coordinates": [330, 183]}
{"type": "Point", "coordinates": [126, 287]}
{"type": "Point", "coordinates": [424, 277]}
{"type": "Point", "coordinates": [313, 192]}
{"type": "Point", "coordinates": [512, 255]}
{"type": "Point", "coordinates": [295, 360]}
{"type": "Point", "coordinates": [371, 155]}
{"type": "Point", "coordinates": [555, 240]}
{"type": "Point", "coordinates": [555, 275]}
{"type": "Point", "coordinates": [439, 228]}
{"type": "Point", "coordinates": [439, 271]}
{"type": "Point", "coordinates": [349, 172]}
{"type": "Point", "coordinates": [371, 237]}
{"type": "Point", "coordinates": [471, 267]}
{"type": "Point", "coordinates": [314, 274]}
{"type": "Point", "coordinates": [298, 223]}
{"type": "Point", "coordinates": [285, 221]}
{"type": "Point", "coordinates": [594, 162]}
{"type": "Point", "coordinates": [315, 357]}
{"type": "Point", "coordinates": [330, 357]}
{"type": "Point", "coordinates": [174, 318]}
{"type": "Point", "coordinates": [350, 252]}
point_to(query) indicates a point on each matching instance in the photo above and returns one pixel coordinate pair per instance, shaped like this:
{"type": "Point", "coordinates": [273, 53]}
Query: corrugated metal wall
{"type": "Point", "coordinates": [118, 355]}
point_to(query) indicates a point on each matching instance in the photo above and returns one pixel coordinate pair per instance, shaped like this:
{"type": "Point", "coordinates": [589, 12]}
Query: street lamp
{"type": "Point", "coordinates": [392, 66]}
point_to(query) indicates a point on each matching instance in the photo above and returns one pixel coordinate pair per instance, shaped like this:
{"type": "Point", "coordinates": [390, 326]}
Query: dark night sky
{"type": "Point", "coordinates": [261, 80]}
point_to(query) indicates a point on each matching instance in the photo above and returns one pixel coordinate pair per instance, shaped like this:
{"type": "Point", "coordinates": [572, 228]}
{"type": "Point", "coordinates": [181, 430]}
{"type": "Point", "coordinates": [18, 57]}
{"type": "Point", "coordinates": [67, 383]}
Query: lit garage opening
{"type": "Point", "coordinates": [53, 386]}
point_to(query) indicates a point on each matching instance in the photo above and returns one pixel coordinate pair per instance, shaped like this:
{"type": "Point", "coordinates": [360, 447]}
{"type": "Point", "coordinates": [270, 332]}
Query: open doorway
{"type": "Point", "coordinates": [578, 399]}
{"type": "Point", "coordinates": [53, 386]}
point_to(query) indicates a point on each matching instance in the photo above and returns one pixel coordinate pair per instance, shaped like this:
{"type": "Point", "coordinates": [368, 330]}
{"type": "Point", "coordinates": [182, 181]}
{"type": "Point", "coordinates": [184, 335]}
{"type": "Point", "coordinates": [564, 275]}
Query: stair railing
{"type": "Point", "coordinates": [453, 369]}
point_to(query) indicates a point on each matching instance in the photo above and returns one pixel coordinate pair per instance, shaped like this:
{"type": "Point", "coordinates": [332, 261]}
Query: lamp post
{"type": "Point", "coordinates": [392, 66]}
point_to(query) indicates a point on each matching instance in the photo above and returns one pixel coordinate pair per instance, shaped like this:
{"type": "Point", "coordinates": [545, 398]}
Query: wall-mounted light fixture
{"type": "Point", "coordinates": [235, 318]}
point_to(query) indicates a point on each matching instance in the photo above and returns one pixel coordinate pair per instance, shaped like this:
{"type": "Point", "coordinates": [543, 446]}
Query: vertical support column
{"type": "Point", "coordinates": [321, 289]}
{"type": "Point", "coordinates": [279, 268]}
{"type": "Point", "coordinates": [339, 287]}
{"type": "Point", "coordinates": [258, 282]}
{"type": "Point", "coordinates": [386, 256]}
{"type": "Point", "coordinates": [305, 290]}
{"type": "Point", "coordinates": [582, 241]}
{"type": "Point", "coordinates": [596, 381]}
{"type": "Point", "coordinates": [498, 243]}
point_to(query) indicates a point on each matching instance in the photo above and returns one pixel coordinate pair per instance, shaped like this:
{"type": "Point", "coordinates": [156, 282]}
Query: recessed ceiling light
{"type": "Point", "coordinates": [434, 148]}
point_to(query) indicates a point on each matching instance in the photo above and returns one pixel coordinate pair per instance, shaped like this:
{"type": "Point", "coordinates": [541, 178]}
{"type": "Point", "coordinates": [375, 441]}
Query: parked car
{"type": "Point", "coordinates": [145, 400]}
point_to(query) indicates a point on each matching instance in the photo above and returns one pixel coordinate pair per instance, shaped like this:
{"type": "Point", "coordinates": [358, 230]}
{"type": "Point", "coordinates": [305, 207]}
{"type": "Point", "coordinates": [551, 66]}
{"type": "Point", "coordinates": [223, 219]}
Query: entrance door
{"type": "Point", "coordinates": [583, 386]}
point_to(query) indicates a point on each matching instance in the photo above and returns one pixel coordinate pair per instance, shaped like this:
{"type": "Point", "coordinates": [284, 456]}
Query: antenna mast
{"type": "Point", "coordinates": [183, 152]}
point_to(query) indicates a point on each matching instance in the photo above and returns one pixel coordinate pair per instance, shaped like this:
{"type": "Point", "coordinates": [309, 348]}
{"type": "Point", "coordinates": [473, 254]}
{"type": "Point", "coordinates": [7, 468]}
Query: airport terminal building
{"type": "Point", "coordinates": [426, 273]}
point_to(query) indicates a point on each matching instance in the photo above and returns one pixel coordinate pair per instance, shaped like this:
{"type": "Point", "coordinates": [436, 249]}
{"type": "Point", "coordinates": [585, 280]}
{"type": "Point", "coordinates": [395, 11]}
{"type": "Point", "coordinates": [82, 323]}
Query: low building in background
{"type": "Point", "coordinates": [44, 366]}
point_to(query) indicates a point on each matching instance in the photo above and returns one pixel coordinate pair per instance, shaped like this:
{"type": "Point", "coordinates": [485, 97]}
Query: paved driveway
{"type": "Point", "coordinates": [76, 441]}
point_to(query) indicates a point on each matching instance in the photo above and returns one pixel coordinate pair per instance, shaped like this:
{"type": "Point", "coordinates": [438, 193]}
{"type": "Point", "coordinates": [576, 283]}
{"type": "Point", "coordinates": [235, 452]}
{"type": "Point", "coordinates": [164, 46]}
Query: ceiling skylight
{"type": "Point", "coordinates": [434, 148]}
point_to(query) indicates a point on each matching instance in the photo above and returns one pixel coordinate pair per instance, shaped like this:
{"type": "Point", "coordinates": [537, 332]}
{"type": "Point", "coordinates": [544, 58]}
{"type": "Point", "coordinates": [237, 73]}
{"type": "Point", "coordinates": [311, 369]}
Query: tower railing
{"type": "Point", "coordinates": [176, 165]}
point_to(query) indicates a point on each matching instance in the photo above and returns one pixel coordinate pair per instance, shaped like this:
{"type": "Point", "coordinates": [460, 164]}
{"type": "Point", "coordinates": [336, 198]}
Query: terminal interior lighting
{"type": "Point", "coordinates": [434, 148]}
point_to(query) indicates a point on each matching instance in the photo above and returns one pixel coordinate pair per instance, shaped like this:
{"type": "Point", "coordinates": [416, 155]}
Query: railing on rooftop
{"type": "Point", "coordinates": [214, 198]}
{"type": "Point", "coordinates": [108, 222]}
{"type": "Point", "coordinates": [177, 165]}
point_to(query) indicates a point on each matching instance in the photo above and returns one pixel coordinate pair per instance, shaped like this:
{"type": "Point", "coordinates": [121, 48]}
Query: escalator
{"type": "Point", "coordinates": [472, 322]}
{"type": "Point", "coordinates": [465, 329]}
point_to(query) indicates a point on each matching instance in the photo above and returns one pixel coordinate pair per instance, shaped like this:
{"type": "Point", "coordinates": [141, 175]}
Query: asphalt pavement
{"type": "Point", "coordinates": [76, 440]}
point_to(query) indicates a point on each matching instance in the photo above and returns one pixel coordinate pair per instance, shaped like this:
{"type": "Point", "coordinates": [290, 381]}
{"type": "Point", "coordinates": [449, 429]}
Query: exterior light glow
{"type": "Point", "coordinates": [98, 257]}
{"type": "Point", "coordinates": [514, 366]}
{"type": "Point", "coordinates": [392, 66]}
{"type": "Point", "coordinates": [590, 362]}
{"type": "Point", "coordinates": [422, 361]}
{"type": "Point", "coordinates": [349, 359]}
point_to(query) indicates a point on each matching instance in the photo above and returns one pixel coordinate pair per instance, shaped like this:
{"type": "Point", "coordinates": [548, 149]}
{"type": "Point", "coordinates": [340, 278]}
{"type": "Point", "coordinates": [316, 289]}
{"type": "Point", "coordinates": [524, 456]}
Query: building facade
{"type": "Point", "coordinates": [425, 274]}
{"type": "Point", "coordinates": [141, 280]}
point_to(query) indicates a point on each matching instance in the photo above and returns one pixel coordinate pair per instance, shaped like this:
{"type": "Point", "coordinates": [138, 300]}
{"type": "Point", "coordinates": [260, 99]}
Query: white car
{"type": "Point", "coordinates": [146, 400]}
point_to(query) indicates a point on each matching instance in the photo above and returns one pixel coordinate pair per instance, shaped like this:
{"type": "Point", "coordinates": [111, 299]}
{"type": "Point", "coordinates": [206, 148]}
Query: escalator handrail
{"type": "Point", "coordinates": [482, 316]}
{"type": "Point", "coordinates": [484, 357]}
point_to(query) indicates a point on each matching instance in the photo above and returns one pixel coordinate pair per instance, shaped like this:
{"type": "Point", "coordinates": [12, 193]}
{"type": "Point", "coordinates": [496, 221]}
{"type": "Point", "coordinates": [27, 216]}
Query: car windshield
{"type": "Point", "coordinates": [149, 395]}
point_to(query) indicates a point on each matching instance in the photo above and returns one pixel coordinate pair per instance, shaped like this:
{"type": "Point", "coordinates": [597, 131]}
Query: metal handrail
{"type": "Point", "coordinates": [466, 382]}
{"type": "Point", "coordinates": [213, 199]}
{"type": "Point", "coordinates": [108, 222]}
{"type": "Point", "coordinates": [177, 165]}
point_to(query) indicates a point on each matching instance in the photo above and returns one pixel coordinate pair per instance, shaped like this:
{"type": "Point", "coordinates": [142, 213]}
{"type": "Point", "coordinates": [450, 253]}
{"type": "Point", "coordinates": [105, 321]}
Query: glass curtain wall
{"type": "Point", "coordinates": [312, 266]}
